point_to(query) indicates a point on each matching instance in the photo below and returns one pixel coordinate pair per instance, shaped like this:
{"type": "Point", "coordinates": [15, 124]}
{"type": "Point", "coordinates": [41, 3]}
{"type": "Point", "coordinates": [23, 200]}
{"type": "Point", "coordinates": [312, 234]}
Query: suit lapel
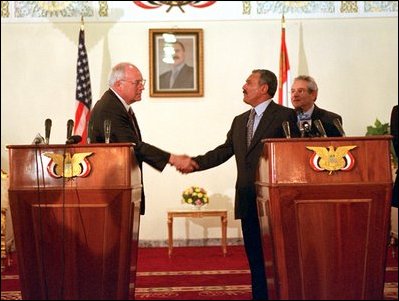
{"type": "Point", "coordinates": [315, 113]}
{"type": "Point", "coordinates": [263, 126]}
{"type": "Point", "coordinates": [132, 118]}
{"type": "Point", "coordinates": [315, 116]}
{"type": "Point", "coordinates": [135, 124]}
{"type": "Point", "coordinates": [240, 134]}
{"type": "Point", "coordinates": [242, 128]}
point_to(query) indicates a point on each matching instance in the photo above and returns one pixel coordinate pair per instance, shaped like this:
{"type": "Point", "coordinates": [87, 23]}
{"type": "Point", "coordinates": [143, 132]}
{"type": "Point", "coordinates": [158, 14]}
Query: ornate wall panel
{"type": "Point", "coordinates": [150, 11]}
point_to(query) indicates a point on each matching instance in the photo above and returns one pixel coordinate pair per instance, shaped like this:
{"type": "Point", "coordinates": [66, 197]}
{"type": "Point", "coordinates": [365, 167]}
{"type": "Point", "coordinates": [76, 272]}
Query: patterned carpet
{"type": "Point", "coordinates": [193, 273]}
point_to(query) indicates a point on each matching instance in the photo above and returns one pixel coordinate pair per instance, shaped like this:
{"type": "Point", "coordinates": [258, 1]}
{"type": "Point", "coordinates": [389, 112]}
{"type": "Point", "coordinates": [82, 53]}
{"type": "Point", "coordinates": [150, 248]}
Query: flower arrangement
{"type": "Point", "coordinates": [195, 195]}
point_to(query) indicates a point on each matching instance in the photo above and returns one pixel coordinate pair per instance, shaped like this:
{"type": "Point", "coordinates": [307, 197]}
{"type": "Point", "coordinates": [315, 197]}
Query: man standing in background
{"type": "Point", "coordinates": [303, 97]}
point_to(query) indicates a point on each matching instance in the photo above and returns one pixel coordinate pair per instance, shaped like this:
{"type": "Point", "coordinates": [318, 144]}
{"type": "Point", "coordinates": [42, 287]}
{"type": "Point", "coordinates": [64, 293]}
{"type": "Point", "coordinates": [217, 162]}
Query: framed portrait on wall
{"type": "Point", "coordinates": [176, 62]}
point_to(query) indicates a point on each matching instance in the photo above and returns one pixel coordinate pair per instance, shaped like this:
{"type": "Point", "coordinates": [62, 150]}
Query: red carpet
{"type": "Point", "coordinates": [193, 273]}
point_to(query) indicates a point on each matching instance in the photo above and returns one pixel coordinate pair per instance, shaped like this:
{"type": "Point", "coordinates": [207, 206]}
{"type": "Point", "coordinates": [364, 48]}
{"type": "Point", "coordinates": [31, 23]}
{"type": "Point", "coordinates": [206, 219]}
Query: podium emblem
{"type": "Point", "coordinates": [332, 160]}
{"type": "Point", "coordinates": [73, 166]}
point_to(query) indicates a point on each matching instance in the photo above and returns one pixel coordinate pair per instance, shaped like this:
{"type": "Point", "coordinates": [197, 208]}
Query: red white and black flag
{"type": "Point", "coordinates": [83, 89]}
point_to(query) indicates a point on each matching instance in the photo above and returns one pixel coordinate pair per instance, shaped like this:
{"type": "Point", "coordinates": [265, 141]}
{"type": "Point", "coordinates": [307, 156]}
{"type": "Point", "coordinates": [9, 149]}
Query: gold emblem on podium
{"type": "Point", "coordinates": [73, 166]}
{"type": "Point", "coordinates": [331, 159]}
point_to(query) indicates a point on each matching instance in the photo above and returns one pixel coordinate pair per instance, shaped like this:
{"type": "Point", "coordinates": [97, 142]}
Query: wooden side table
{"type": "Point", "coordinates": [195, 213]}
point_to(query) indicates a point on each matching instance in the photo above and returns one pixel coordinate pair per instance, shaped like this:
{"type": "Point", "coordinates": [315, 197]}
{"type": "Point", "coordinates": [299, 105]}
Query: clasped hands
{"type": "Point", "coordinates": [183, 163]}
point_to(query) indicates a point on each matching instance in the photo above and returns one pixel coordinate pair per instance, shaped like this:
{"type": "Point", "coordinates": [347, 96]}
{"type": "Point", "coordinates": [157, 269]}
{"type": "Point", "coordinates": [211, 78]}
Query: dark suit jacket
{"type": "Point", "coordinates": [184, 80]}
{"type": "Point", "coordinates": [326, 118]}
{"type": "Point", "coordinates": [270, 126]}
{"type": "Point", "coordinates": [122, 130]}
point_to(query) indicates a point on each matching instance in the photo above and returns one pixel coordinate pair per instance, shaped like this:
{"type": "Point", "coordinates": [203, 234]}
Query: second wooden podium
{"type": "Point", "coordinates": [324, 209]}
{"type": "Point", "coordinates": [76, 221]}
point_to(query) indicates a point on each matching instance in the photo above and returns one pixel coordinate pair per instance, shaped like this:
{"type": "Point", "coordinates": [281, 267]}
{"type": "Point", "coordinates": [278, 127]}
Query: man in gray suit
{"type": "Point", "coordinates": [244, 142]}
{"type": "Point", "coordinates": [181, 76]}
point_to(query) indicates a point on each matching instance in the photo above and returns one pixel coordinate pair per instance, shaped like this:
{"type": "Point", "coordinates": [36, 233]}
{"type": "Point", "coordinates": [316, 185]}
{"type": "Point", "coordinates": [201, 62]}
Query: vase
{"type": "Point", "coordinates": [198, 207]}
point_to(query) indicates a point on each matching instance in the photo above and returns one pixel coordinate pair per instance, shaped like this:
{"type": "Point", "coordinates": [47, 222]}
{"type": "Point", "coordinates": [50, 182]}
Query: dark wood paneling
{"type": "Point", "coordinates": [74, 241]}
{"type": "Point", "coordinates": [324, 236]}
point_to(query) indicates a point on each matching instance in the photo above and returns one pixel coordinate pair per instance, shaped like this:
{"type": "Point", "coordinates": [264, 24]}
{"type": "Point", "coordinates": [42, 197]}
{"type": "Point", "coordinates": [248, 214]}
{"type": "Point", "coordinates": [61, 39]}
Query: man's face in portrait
{"type": "Point", "coordinates": [179, 54]}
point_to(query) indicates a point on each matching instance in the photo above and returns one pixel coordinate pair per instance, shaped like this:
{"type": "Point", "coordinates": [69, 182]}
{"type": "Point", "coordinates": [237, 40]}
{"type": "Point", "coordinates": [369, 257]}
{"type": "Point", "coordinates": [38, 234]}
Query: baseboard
{"type": "Point", "coordinates": [190, 242]}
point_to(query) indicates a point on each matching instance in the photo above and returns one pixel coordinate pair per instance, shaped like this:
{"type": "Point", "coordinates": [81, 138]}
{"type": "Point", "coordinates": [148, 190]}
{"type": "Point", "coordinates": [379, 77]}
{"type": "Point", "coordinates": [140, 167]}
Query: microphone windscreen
{"type": "Point", "coordinates": [306, 126]}
{"type": "Point", "coordinates": [339, 127]}
{"type": "Point", "coordinates": [47, 129]}
{"type": "Point", "coordinates": [286, 129]}
{"type": "Point", "coordinates": [320, 127]}
{"type": "Point", "coordinates": [70, 125]}
{"type": "Point", "coordinates": [48, 123]}
{"type": "Point", "coordinates": [89, 130]}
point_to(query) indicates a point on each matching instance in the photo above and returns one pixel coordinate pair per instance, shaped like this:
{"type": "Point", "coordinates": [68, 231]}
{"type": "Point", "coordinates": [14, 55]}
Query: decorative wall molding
{"type": "Point", "coordinates": [328, 8]}
{"type": "Point", "coordinates": [131, 11]}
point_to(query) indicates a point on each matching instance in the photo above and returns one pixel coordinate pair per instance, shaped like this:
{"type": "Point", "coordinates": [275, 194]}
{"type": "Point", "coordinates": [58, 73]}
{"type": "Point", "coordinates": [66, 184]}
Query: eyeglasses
{"type": "Point", "coordinates": [136, 82]}
{"type": "Point", "coordinates": [299, 91]}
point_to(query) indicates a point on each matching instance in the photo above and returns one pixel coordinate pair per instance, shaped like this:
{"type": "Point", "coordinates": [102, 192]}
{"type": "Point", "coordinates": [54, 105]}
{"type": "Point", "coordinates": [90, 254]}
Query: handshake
{"type": "Point", "coordinates": [183, 163]}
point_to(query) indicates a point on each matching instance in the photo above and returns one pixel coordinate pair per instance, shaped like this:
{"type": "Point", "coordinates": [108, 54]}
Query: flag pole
{"type": "Point", "coordinates": [284, 68]}
{"type": "Point", "coordinates": [83, 97]}
{"type": "Point", "coordinates": [283, 22]}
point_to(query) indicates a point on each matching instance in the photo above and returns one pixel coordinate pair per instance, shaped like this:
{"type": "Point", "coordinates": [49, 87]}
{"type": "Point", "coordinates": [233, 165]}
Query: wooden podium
{"type": "Point", "coordinates": [325, 234]}
{"type": "Point", "coordinates": [76, 237]}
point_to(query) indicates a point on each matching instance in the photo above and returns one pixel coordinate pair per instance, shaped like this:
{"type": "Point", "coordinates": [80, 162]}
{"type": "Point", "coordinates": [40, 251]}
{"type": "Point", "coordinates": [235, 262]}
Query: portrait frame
{"type": "Point", "coordinates": [163, 62]}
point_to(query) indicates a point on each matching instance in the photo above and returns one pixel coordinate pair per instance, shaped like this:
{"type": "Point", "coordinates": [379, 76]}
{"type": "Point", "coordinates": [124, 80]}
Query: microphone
{"type": "Point", "coordinates": [306, 129]}
{"type": "Point", "coordinates": [303, 120]}
{"type": "Point", "coordinates": [47, 127]}
{"type": "Point", "coordinates": [38, 139]}
{"type": "Point", "coordinates": [339, 127]}
{"type": "Point", "coordinates": [286, 129]}
{"type": "Point", "coordinates": [107, 130]}
{"type": "Point", "coordinates": [89, 131]}
{"type": "Point", "coordinates": [73, 139]}
{"type": "Point", "coordinates": [70, 125]}
{"type": "Point", "coordinates": [320, 127]}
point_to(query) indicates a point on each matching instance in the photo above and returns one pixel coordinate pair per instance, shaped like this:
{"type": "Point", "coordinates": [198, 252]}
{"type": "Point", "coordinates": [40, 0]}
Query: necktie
{"type": "Point", "coordinates": [134, 122]}
{"type": "Point", "coordinates": [173, 77]}
{"type": "Point", "coordinates": [250, 126]}
{"type": "Point", "coordinates": [304, 117]}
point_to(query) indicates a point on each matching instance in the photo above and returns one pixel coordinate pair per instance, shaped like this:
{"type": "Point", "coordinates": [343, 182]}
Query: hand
{"type": "Point", "coordinates": [183, 163]}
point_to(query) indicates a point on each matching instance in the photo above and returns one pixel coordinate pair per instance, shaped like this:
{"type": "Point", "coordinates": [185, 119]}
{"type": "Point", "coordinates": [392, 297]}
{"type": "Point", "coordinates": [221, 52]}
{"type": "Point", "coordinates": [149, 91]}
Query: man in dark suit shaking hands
{"type": "Point", "coordinates": [243, 141]}
{"type": "Point", "coordinates": [125, 87]}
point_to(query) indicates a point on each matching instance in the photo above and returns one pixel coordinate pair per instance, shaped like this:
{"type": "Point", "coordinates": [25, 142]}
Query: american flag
{"type": "Point", "coordinates": [83, 89]}
{"type": "Point", "coordinates": [285, 74]}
